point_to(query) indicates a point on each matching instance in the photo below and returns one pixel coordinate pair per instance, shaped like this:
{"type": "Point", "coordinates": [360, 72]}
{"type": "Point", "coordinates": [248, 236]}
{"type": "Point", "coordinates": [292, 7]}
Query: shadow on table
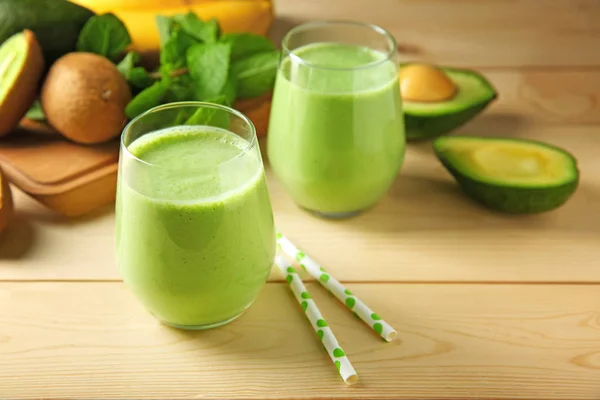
{"type": "Point", "coordinates": [425, 203]}
{"type": "Point", "coordinates": [258, 337]}
{"type": "Point", "coordinates": [432, 200]}
{"type": "Point", "coordinates": [492, 124]}
{"type": "Point", "coordinates": [48, 216]}
{"type": "Point", "coordinates": [500, 124]}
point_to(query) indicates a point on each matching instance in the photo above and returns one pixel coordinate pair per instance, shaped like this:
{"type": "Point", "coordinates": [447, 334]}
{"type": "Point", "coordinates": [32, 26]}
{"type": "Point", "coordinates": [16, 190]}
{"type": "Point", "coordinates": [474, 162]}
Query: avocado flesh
{"type": "Point", "coordinates": [425, 120]}
{"type": "Point", "coordinates": [516, 176]}
{"type": "Point", "coordinates": [56, 23]}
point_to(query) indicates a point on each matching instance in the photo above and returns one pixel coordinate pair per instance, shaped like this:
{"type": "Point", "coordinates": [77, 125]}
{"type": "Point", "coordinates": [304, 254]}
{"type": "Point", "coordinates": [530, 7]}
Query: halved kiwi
{"type": "Point", "coordinates": [21, 68]}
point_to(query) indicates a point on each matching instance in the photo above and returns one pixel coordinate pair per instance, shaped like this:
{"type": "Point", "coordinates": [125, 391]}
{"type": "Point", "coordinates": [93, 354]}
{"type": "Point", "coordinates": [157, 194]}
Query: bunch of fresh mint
{"type": "Point", "coordinates": [197, 61]}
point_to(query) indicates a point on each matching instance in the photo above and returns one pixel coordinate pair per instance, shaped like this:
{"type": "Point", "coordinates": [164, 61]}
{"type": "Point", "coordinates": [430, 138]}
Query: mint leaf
{"type": "Point", "coordinates": [208, 65]}
{"type": "Point", "coordinates": [180, 89]}
{"type": "Point", "coordinates": [164, 26]}
{"type": "Point", "coordinates": [135, 76]}
{"type": "Point", "coordinates": [180, 117]}
{"type": "Point", "coordinates": [256, 74]}
{"type": "Point", "coordinates": [230, 89]}
{"type": "Point", "coordinates": [35, 111]}
{"type": "Point", "coordinates": [204, 31]}
{"type": "Point", "coordinates": [105, 35]}
{"type": "Point", "coordinates": [246, 44]}
{"type": "Point", "coordinates": [139, 78]}
{"type": "Point", "coordinates": [211, 116]}
{"type": "Point", "coordinates": [128, 63]}
{"type": "Point", "coordinates": [146, 99]}
{"type": "Point", "coordinates": [173, 53]}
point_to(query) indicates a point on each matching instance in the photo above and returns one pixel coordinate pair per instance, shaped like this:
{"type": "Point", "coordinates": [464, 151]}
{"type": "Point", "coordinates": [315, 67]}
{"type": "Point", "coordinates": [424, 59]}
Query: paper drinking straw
{"type": "Point", "coordinates": [353, 303]}
{"type": "Point", "coordinates": [317, 321]}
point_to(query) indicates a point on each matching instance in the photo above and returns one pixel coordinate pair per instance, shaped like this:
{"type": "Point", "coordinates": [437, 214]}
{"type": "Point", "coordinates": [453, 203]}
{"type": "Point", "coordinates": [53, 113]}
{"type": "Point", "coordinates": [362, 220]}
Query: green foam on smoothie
{"type": "Point", "coordinates": [346, 126]}
{"type": "Point", "coordinates": [196, 165]}
{"type": "Point", "coordinates": [195, 245]}
{"type": "Point", "coordinates": [336, 60]}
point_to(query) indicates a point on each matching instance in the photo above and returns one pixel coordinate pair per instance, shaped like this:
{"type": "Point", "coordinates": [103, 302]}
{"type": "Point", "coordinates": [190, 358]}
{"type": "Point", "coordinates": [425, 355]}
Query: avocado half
{"type": "Point", "coordinates": [425, 120]}
{"type": "Point", "coordinates": [516, 176]}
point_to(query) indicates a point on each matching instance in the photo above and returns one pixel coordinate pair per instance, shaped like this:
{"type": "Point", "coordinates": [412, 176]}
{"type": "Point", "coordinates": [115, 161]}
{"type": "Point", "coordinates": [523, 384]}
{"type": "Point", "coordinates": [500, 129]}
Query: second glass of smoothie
{"type": "Point", "coordinates": [194, 225]}
{"type": "Point", "coordinates": [336, 132]}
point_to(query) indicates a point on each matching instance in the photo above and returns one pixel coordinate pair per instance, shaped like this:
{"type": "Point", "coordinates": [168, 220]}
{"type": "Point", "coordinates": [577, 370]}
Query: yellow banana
{"type": "Point", "coordinates": [255, 16]}
{"type": "Point", "coordinates": [107, 5]}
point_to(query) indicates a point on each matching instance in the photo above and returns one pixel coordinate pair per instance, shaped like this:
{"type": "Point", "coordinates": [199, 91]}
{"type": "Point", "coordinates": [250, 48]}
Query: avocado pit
{"type": "Point", "coordinates": [426, 83]}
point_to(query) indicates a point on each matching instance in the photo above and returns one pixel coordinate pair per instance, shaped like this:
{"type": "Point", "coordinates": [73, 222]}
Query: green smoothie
{"type": "Point", "coordinates": [336, 133]}
{"type": "Point", "coordinates": [195, 231]}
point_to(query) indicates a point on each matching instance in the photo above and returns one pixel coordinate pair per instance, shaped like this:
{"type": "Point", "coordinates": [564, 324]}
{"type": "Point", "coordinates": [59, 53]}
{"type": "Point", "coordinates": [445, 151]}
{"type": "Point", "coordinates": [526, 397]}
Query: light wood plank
{"type": "Point", "coordinates": [425, 229]}
{"type": "Point", "coordinates": [89, 340]}
{"type": "Point", "coordinates": [476, 33]}
{"type": "Point", "coordinates": [543, 96]}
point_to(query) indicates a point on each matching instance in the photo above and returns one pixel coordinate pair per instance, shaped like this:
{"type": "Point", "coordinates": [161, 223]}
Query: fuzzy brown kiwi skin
{"type": "Point", "coordinates": [84, 98]}
{"type": "Point", "coordinates": [23, 92]}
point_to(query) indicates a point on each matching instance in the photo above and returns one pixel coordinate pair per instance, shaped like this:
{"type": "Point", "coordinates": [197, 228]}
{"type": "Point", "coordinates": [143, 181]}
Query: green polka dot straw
{"type": "Point", "coordinates": [330, 343]}
{"type": "Point", "coordinates": [352, 302]}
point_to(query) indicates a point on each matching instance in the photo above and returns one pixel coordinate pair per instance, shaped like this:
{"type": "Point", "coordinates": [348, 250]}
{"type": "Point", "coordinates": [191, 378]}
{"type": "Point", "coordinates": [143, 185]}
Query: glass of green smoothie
{"type": "Point", "coordinates": [195, 234]}
{"type": "Point", "coordinates": [336, 132]}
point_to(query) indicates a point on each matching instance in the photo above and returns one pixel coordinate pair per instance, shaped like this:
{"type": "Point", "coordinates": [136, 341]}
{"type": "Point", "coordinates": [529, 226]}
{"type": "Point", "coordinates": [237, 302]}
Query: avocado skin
{"type": "Point", "coordinates": [509, 199]}
{"type": "Point", "coordinates": [514, 200]}
{"type": "Point", "coordinates": [56, 23]}
{"type": "Point", "coordinates": [422, 128]}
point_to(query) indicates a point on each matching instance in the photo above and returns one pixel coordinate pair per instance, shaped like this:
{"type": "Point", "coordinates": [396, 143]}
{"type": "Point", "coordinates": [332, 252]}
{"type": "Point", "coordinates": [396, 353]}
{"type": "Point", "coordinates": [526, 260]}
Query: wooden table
{"type": "Point", "coordinates": [486, 305]}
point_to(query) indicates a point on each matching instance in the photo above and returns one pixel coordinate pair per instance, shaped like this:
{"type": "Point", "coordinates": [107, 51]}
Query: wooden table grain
{"type": "Point", "coordinates": [486, 305]}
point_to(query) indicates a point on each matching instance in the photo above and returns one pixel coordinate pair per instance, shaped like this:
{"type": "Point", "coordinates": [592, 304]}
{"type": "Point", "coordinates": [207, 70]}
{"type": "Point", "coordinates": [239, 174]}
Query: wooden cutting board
{"type": "Point", "coordinates": [74, 179]}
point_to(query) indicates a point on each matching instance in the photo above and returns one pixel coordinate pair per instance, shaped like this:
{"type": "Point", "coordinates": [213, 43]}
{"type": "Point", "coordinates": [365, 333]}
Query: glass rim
{"type": "Point", "coordinates": [197, 104]}
{"type": "Point", "coordinates": [308, 25]}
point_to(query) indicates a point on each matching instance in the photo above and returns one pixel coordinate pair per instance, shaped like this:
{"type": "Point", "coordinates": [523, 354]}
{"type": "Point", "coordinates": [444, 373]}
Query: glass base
{"type": "Point", "coordinates": [340, 215]}
{"type": "Point", "coordinates": [203, 327]}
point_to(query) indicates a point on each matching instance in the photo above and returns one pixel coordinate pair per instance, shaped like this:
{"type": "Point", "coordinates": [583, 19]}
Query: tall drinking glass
{"type": "Point", "coordinates": [336, 132]}
{"type": "Point", "coordinates": [195, 233]}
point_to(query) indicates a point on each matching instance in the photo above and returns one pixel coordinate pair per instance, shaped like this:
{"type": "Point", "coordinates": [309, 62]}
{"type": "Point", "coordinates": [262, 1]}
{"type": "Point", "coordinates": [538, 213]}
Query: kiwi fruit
{"type": "Point", "coordinates": [21, 68]}
{"type": "Point", "coordinates": [6, 202]}
{"type": "Point", "coordinates": [84, 98]}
